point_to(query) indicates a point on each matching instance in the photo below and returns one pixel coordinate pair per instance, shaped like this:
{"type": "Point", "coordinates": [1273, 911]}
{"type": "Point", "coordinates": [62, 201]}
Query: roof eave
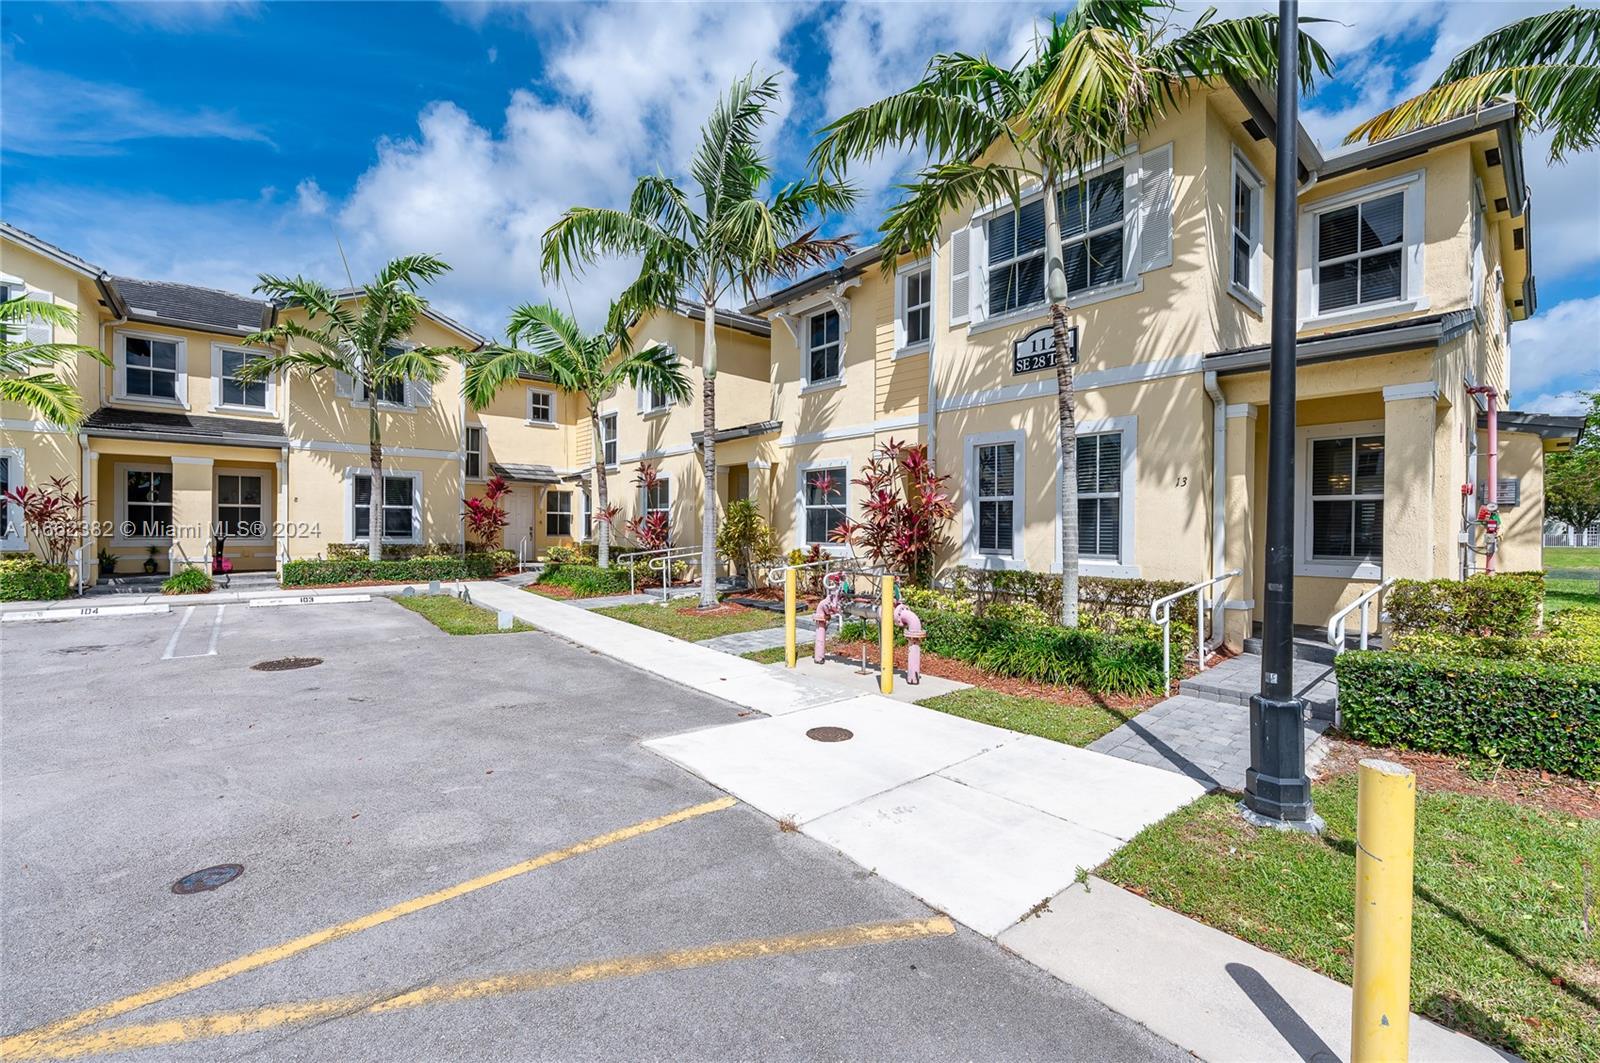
{"type": "Point", "coordinates": [230, 439]}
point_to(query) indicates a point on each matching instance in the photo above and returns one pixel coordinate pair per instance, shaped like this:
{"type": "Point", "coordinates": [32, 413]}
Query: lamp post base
{"type": "Point", "coordinates": [1275, 785]}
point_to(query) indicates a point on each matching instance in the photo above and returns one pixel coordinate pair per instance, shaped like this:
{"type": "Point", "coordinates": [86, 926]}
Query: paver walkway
{"type": "Point", "coordinates": [1209, 741]}
{"type": "Point", "coordinates": [743, 642]}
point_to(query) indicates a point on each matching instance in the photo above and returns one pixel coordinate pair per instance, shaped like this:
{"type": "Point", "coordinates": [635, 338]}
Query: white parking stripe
{"type": "Point", "coordinates": [177, 633]}
{"type": "Point", "coordinates": [216, 630]}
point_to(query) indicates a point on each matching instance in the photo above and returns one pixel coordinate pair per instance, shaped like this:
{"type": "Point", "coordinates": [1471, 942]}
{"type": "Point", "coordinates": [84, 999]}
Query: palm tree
{"type": "Point", "coordinates": [543, 341]}
{"type": "Point", "coordinates": [27, 367]}
{"type": "Point", "coordinates": [1548, 63]}
{"type": "Point", "coordinates": [360, 336]}
{"type": "Point", "coordinates": [1098, 79]}
{"type": "Point", "coordinates": [733, 237]}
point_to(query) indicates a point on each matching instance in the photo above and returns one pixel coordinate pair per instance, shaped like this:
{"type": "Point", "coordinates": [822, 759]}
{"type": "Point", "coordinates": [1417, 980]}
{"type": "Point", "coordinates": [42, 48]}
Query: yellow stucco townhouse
{"type": "Point", "coordinates": [176, 451]}
{"type": "Point", "coordinates": [1415, 257]}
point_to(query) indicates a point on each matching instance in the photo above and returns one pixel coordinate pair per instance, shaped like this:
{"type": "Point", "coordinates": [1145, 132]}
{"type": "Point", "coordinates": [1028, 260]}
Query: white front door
{"type": "Point", "coordinates": [519, 521]}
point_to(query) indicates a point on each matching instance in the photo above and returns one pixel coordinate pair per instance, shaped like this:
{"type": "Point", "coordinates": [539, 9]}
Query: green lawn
{"type": "Point", "coordinates": [1499, 946]}
{"type": "Point", "coordinates": [450, 614]}
{"type": "Point", "coordinates": [1573, 557]}
{"type": "Point", "coordinates": [1075, 725]}
{"type": "Point", "coordinates": [1572, 592]}
{"type": "Point", "coordinates": [686, 625]}
{"type": "Point", "coordinates": [770, 655]}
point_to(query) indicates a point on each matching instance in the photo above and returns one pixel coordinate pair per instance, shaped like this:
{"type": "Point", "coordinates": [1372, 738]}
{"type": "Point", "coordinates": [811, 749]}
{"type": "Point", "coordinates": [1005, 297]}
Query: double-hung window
{"type": "Point", "coordinates": [1015, 240]}
{"type": "Point", "coordinates": [239, 506]}
{"type": "Point", "coordinates": [12, 534]}
{"type": "Point", "coordinates": [150, 368]}
{"type": "Point", "coordinates": [1360, 253]}
{"type": "Point", "coordinates": [608, 438]}
{"type": "Point", "coordinates": [996, 498]}
{"type": "Point", "coordinates": [1245, 230]}
{"type": "Point", "coordinates": [1100, 496]}
{"type": "Point", "coordinates": [825, 503]}
{"type": "Point", "coordinates": [399, 511]}
{"type": "Point", "coordinates": [558, 514]}
{"type": "Point", "coordinates": [658, 498]}
{"type": "Point", "coordinates": [916, 307]}
{"type": "Point", "coordinates": [1347, 498]}
{"type": "Point", "coordinates": [1093, 239]}
{"type": "Point", "coordinates": [236, 392]}
{"type": "Point", "coordinates": [474, 451]}
{"type": "Point", "coordinates": [541, 406]}
{"type": "Point", "coordinates": [823, 347]}
{"type": "Point", "coordinates": [147, 501]}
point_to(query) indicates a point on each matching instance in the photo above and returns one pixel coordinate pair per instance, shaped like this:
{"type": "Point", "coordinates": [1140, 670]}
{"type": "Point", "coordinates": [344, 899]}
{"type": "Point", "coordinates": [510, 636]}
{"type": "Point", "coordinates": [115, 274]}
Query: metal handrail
{"type": "Point", "coordinates": [1164, 605]}
{"type": "Point", "coordinates": [1336, 623]}
{"type": "Point", "coordinates": [665, 556]}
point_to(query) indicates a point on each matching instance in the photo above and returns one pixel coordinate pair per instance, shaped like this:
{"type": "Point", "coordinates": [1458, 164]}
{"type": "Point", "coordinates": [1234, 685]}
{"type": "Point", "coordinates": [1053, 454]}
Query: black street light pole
{"type": "Point", "coordinates": [1276, 789]}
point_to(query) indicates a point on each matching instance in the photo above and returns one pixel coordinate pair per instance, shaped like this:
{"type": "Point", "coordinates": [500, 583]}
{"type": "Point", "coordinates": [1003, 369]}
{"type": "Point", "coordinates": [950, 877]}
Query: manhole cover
{"type": "Point", "coordinates": [286, 664]}
{"type": "Point", "coordinates": [830, 734]}
{"type": "Point", "coordinates": [208, 878]}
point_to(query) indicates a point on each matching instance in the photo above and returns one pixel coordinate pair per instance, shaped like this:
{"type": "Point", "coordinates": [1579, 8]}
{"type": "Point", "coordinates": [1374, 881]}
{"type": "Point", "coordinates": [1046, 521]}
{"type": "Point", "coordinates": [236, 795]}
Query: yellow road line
{"type": "Point", "coordinates": [29, 1040]}
{"type": "Point", "coordinates": [272, 1016]}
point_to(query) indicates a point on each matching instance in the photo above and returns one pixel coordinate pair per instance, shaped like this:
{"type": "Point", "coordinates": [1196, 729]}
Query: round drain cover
{"type": "Point", "coordinates": [208, 878]}
{"type": "Point", "coordinates": [286, 664]}
{"type": "Point", "coordinates": [830, 734]}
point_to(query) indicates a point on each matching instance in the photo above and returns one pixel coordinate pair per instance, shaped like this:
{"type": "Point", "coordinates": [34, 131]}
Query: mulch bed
{"type": "Point", "coordinates": [1444, 772]}
{"type": "Point", "coordinates": [725, 609]}
{"type": "Point", "coordinates": [554, 590]}
{"type": "Point", "coordinates": [962, 672]}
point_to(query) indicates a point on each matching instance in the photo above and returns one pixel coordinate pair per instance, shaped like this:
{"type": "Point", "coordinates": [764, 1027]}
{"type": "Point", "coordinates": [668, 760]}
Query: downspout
{"type": "Point", "coordinates": [933, 346]}
{"type": "Point", "coordinates": [1219, 489]}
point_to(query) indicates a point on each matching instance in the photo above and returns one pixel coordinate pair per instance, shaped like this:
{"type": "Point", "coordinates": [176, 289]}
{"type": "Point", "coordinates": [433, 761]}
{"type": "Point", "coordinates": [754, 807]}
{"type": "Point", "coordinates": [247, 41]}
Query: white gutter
{"type": "Point", "coordinates": [1219, 488]}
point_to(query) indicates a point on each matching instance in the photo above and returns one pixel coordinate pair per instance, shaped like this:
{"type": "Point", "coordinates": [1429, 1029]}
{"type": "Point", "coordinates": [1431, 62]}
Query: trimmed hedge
{"type": "Point", "coordinates": [1099, 597]}
{"type": "Point", "coordinates": [30, 579]}
{"type": "Point", "coordinates": [309, 573]}
{"type": "Point", "coordinates": [1523, 714]}
{"type": "Point", "coordinates": [1500, 604]}
{"type": "Point", "coordinates": [1096, 661]}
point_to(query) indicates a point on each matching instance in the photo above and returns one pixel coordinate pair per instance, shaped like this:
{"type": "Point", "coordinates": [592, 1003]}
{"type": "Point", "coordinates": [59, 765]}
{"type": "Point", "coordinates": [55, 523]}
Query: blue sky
{"type": "Point", "coordinates": [208, 142]}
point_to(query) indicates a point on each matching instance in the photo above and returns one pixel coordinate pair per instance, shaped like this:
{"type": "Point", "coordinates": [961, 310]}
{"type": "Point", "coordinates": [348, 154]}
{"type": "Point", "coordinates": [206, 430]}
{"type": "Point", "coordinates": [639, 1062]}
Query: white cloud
{"type": "Point", "coordinates": [494, 55]}
{"type": "Point", "coordinates": [1565, 403]}
{"type": "Point", "coordinates": [1554, 350]}
{"type": "Point", "coordinates": [185, 16]}
{"type": "Point", "coordinates": [44, 112]}
{"type": "Point", "coordinates": [309, 198]}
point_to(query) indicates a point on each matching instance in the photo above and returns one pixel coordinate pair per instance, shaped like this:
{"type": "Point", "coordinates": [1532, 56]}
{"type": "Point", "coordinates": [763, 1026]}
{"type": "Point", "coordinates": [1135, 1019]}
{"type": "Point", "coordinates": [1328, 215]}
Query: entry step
{"type": "Point", "coordinates": [1236, 679]}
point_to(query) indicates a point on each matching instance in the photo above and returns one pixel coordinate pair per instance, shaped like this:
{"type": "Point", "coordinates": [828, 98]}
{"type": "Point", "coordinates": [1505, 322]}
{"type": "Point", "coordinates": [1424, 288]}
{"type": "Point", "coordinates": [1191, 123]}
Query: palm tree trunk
{"type": "Point", "coordinates": [1066, 404]}
{"type": "Point", "coordinates": [599, 507]}
{"type": "Point", "coordinates": [708, 514]}
{"type": "Point", "coordinates": [375, 498]}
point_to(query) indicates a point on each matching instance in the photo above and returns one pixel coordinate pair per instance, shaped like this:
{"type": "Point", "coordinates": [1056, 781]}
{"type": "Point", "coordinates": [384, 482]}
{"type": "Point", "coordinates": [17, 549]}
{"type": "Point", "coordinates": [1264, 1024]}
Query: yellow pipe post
{"type": "Point", "coordinates": [1386, 820]}
{"type": "Point", "coordinates": [788, 616]}
{"type": "Point", "coordinates": [886, 637]}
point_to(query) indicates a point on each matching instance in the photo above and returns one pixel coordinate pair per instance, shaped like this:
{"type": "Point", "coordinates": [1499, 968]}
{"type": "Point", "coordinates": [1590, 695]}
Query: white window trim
{"type": "Point", "coordinates": [482, 452]}
{"type": "Point", "coordinates": [821, 383]}
{"type": "Point", "coordinates": [1304, 565]}
{"type": "Point", "coordinates": [527, 408]}
{"type": "Point", "coordinates": [1412, 298]}
{"type": "Point", "coordinates": [971, 556]}
{"type": "Point", "coordinates": [840, 465]}
{"type": "Point", "coordinates": [1127, 567]}
{"type": "Point", "coordinates": [644, 498]}
{"type": "Point", "coordinates": [271, 407]}
{"type": "Point", "coordinates": [119, 373]}
{"type": "Point", "coordinates": [1250, 294]}
{"type": "Point", "coordinates": [350, 475]}
{"type": "Point", "coordinates": [616, 439]}
{"type": "Point", "coordinates": [408, 406]}
{"type": "Point", "coordinates": [902, 349]}
{"type": "Point", "coordinates": [571, 513]}
{"type": "Point", "coordinates": [18, 540]}
{"type": "Point", "coordinates": [266, 504]}
{"type": "Point", "coordinates": [121, 500]}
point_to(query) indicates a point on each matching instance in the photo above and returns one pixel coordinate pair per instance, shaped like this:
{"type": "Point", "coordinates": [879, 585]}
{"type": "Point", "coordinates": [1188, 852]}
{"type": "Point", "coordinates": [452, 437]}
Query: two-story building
{"type": "Point", "coordinates": [176, 450]}
{"type": "Point", "coordinates": [1414, 259]}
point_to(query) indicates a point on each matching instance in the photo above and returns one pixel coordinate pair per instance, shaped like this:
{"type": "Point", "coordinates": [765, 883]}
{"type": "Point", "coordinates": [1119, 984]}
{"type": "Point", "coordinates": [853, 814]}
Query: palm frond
{"type": "Point", "coordinates": [946, 124]}
{"type": "Point", "coordinates": [303, 360]}
{"type": "Point", "coordinates": [654, 366]}
{"type": "Point", "coordinates": [20, 310]}
{"type": "Point", "coordinates": [20, 357]}
{"type": "Point", "coordinates": [410, 271]}
{"type": "Point", "coordinates": [52, 398]}
{"type": "Point", "coordinates": [914, 223]}
{"type": "Point", "coordinates": [417, 363]}
{"type": "Point", "coordinates": [1571, 35]}
{"type": "Point", "coordinates": [583, 234]}
{"type": "Point", "coordinates": [735, 122]}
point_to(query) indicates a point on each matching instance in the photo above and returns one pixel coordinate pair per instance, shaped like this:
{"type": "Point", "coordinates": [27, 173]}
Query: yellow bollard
{"type": "Point", "coordinates": [1386, 820]}
{"type": "Point", "coordinates": [788, 616]}
{"type": "Point", "coordinates": [886, 637]}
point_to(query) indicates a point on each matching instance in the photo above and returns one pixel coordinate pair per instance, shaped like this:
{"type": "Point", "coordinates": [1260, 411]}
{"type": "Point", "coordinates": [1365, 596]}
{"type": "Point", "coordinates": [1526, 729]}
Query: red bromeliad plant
{"type": "Point", "coordinates": [905, 511]}
{"type": "Point", "coordinates": [486, 517]}
{"type": "Point", "coordinates": [652, 531]}
{"type": "Point", "coordinates": [53, 515]}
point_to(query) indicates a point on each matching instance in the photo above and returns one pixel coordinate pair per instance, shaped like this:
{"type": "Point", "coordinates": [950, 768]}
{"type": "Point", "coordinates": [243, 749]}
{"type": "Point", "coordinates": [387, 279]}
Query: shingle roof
{"type": "Point", "coordinates": [532, 474]}
{"type": "Point", "coordinates": [190, 304]}
{"type": "Point", "coordinates": [184, 428]}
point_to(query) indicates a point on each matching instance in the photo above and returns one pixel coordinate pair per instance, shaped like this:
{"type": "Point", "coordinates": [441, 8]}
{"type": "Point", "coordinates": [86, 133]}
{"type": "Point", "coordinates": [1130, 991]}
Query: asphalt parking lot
{"type": "Point", "coordinates": [451, 847]}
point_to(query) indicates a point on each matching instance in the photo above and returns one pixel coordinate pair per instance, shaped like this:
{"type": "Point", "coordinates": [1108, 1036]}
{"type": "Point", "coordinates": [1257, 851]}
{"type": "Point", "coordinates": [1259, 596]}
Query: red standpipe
{"type": "Point", "coordinates": [1493, 504]}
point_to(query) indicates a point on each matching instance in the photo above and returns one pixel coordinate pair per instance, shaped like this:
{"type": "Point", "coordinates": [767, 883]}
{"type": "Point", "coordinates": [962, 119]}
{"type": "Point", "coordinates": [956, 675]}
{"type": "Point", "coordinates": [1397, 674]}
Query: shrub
{"type": "Point", "coordinates": [745, 538]}
{"type": "Point", "coordinates": [307, 573]}
{"type": "Point", "coordinates": [1099, 597]}
{"type": "Point", "coordinates": [395, 551]}
{"type": "Point", "coordinates": [587, 581]}
{"type": "Point", "coordinates": [1501, 604]}
{"type": "Point", "coordinates": [1523, 714]}
{"type": "Point", "coordinates": [189, 581]}
{"type": "Point", "coordinates": [924, 601]}
{"type": "Point", "coordinates": [644, 575]}
{"type": "Point", "coordinates": [905, 511]}
{"type": "Point", "coordinates": [1045, 653]}
{"type": "Point", "coordinates": [52, 515]}
{"type": "Point", "coordinates": [32, 579]}
{"type": "Point", "coordinates": [486, 517]}
{"type": "Point", "coordinates": [576, 554]}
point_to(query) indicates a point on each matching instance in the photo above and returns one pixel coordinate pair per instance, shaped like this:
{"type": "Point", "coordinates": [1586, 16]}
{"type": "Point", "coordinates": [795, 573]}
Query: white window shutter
{"type": "Point", "coordinates": [900, 310]}
{"type": "Point", "coordinates": [421, 392]}
{"type": "Point", "coordinates": [344, 385]}
{"type": "Point", "coordinates": [978, 299]}
{"type": "Point", "coordinates": [640, 397]}
{"type": "Point", "coordinates": [40, 331]}
{"type": "Point", "coordinates": [960, 276]}
{"type": "Point", "coordinates": [1155, 208]}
